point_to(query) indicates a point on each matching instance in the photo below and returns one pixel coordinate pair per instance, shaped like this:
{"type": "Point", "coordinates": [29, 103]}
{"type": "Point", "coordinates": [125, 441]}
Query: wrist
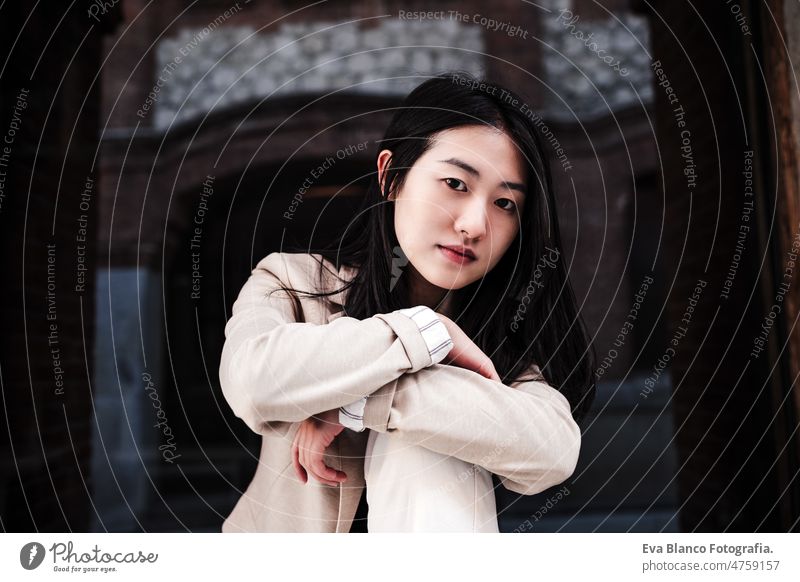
{"type": "Point", "coordinates": [329, 417]}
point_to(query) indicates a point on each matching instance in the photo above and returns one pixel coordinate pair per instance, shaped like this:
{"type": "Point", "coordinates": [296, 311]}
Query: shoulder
{"type": "Point", "coordinates": [536, 373]}
{"type": "Point", "coordinates": [532, 374]}
{"type": "Point", "coordinates": [286, 264]}
{"type": "Point", "coordinates": [302, 271]}
{"type": "Point", "coordinates": [534, 382]}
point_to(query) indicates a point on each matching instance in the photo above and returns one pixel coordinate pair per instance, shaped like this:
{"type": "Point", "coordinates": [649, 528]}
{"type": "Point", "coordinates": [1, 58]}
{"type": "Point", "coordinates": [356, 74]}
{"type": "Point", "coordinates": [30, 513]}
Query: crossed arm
{"type": "Point", "coordinates": [275, 372]}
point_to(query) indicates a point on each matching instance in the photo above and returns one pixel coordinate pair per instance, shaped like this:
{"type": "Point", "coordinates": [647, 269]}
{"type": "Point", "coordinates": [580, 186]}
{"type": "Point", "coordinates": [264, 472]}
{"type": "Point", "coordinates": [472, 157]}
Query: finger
{"type": "Point", "coordinates": [307, 456]}
{"type": "Point", "coordinates": [312, 469]}
{"type": "Point", "coordinates": [301, 473]}
{"type": "Point", "coordinates": [318, 467]}
{"type": "Point", "coordinates": [482, 368]}
{"type": "Point", "coordinates": [302, 452]}
{"type": "Point", "coordinates": [488, 370]}
{"type": "Point", "coordinates": [323, 480]}
{"type": "Point", "coordinates": [328, 473]}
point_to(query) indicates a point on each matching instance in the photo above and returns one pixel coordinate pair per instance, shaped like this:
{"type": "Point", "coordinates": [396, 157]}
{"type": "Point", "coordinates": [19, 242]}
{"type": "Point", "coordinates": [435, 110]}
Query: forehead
{"type": "Point", "coordinates": [489, 150]}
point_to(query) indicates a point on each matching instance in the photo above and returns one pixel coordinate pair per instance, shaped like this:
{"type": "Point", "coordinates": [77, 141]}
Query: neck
{"type": "Point", "coordinates": [421, 292]}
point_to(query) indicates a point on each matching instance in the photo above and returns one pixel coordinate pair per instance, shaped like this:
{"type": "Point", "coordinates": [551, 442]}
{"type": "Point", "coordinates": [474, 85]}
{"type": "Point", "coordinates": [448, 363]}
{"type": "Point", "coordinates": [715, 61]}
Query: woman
{"type": "Point", "coordinates": [455, 309]}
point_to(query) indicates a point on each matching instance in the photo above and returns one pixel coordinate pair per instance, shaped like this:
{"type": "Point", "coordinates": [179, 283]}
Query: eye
{"type": "Point", "coordinates": [510, 208]}
{"type": "Point", "coordinates": [449, 182]}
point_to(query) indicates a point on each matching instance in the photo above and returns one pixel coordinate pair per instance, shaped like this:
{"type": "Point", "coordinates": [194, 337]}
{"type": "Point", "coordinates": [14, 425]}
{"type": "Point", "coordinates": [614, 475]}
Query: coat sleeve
{"type": "Point", "coordinates": [275, 371]}
{"type": "Point", "coordinates": [439, 344]}
{"type": "Point", "coordinates": [523, 433]}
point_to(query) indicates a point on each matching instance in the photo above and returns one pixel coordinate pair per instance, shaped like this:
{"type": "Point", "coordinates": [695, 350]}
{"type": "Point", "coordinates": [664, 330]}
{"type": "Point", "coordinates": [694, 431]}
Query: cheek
{"type": "Point", "coordinates": [511, 234]}
{"type": "Point", "coordinates": [419, 216]}
{"type": "Point", "coordinates": [407, 226]}
{"type": "Point", "coordinates": [503, 234]}
{"type": "Point", "coordinates": [503, 231]}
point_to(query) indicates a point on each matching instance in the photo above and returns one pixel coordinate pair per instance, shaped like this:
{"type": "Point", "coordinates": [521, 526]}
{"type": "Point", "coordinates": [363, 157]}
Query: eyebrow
{"type": "Point", "coordinates": [473, 171]}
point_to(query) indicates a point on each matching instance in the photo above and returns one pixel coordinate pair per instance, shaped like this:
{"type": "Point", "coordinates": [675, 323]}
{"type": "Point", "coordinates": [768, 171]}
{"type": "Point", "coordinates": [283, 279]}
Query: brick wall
{"type": "Point", "coordinates": [48, 326]}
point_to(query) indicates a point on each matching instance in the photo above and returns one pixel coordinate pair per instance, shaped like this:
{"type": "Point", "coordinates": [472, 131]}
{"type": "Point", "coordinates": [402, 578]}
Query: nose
{"type": "Point", "coordinates": [472, 219]}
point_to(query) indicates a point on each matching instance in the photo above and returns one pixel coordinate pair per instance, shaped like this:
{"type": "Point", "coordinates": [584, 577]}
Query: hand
{"type": "Point", "coordinates": [465, 354]}
{"type": "Point", "coordinates": [313, 437]}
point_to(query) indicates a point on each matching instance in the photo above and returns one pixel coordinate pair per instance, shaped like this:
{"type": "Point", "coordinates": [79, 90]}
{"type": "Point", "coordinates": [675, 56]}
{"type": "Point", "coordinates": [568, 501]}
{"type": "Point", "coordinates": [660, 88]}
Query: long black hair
{"type": "Point", "coordinates": [521, 313]}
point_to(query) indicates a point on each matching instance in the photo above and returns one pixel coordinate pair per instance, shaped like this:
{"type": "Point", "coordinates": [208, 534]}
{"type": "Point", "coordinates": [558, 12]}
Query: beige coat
{"type": "Point", "coordinates": [277, 370]}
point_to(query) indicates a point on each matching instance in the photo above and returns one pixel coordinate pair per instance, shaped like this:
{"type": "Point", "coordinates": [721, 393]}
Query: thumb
{"type": "Point", "coordinates": [488, 371]}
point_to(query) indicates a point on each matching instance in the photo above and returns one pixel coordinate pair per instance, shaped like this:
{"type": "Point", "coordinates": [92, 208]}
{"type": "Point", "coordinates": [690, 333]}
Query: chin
{"type": "Point", "coordinates": [452, 283]}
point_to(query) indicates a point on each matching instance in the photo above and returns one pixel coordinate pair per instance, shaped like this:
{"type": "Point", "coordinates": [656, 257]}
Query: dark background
{"type": "Point", "coordinates": [257, 103]}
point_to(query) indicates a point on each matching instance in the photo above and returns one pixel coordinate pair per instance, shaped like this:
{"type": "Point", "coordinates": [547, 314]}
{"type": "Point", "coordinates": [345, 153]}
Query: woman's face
{"type": "Point", "coordinates": [468, 191]}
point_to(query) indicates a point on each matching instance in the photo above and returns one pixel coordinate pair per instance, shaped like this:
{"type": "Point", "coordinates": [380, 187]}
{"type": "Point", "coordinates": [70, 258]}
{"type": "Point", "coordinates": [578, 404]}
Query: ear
{"type": "Point", "coordinates": [384, 158]}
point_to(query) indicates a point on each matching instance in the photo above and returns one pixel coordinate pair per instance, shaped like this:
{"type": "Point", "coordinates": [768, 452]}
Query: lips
{"type": "Point", "coordinates": [454, 255]}
{"type": "Point", "coordinates": [464, 252]}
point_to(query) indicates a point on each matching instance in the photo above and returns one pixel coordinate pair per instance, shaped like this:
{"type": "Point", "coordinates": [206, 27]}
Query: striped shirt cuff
{"type": "Point", "coordinates": [439, 343]}
{"type": "Point", "coordinates": [433, 330]}
{"type": "Point", "coordinates": [352, 415]}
